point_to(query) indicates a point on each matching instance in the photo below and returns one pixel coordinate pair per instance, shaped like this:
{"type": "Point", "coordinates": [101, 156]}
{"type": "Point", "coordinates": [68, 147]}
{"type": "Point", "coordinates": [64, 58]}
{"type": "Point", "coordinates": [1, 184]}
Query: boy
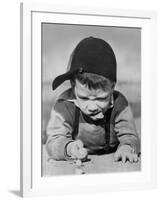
{"type": "Point", "coordinates": [91, 117]}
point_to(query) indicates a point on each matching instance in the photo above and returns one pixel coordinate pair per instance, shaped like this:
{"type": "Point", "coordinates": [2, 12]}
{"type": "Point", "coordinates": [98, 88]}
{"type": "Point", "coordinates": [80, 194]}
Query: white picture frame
{"type": "Point", "coordinates": [32, 183]}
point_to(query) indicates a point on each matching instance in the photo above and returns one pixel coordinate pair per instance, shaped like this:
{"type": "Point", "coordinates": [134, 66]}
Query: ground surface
{"type": "Point", "coordinates": [96, 164]}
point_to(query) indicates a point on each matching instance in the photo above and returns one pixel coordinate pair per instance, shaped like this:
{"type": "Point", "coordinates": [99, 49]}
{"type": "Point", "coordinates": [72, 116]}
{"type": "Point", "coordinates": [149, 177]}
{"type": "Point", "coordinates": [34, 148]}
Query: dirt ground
{"type": "Point", "coordinates": [95, 164]}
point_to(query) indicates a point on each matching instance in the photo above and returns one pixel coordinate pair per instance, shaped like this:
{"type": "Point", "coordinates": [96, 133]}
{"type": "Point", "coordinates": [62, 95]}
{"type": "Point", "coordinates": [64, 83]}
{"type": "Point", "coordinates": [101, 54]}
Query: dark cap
{"type": "Point", "coordinates": [91, 55]}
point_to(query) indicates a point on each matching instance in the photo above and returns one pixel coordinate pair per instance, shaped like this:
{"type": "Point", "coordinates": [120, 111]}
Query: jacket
{"type": "Point", "coordinates": [67, 123]}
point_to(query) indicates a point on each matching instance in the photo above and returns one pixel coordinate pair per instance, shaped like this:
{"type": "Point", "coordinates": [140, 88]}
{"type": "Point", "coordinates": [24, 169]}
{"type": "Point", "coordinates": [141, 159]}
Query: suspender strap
{"type": "Point", "coordinates": [107, 125]}
{"type": "Point", "coordinates": [76, 123]}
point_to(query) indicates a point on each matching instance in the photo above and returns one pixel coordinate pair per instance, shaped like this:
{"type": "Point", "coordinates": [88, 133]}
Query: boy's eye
{"type": "Point", "coordinates": [102, 99]}
{"type": "Point", "coordinates": [83, 98]}
{"type": "Point", "coordinates": [97, 99]}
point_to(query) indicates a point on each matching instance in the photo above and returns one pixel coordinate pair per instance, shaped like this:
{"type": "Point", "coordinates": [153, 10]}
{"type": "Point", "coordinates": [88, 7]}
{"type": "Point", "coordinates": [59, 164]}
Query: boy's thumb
{"type": "Point", "coordinates": [79, 143]}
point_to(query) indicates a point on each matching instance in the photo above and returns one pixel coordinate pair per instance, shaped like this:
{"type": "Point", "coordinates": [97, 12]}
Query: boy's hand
{"type": "Point", "coordinates": [125, 153]}
{"type": "Point", "coordinates": [76, 150]}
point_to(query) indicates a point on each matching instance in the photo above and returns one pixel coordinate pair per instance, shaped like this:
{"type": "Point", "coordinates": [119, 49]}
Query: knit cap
{"type": "Point", "coordinates": [91, 55]}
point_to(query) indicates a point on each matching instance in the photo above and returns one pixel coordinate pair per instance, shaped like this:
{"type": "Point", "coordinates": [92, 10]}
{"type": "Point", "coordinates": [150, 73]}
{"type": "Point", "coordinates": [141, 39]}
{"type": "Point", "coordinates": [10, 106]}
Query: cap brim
{"type": "Point", "coordinates": [60, 79]}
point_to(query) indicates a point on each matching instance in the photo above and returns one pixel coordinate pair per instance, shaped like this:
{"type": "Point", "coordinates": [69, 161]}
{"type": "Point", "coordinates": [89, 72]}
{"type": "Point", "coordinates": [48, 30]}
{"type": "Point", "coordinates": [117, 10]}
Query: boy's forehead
{"type": "Point", "coordinates": [84, 90]}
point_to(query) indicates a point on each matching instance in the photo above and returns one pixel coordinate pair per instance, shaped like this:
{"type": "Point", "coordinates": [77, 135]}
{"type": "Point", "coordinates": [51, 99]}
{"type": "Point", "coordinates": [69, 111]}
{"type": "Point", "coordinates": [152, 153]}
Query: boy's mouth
{"type": "Point", "coordinates": [93, 114]}
{"type": "Point", "coordinates": [98, 115]}
{"type": "Point", "coordinates": [97, 120]}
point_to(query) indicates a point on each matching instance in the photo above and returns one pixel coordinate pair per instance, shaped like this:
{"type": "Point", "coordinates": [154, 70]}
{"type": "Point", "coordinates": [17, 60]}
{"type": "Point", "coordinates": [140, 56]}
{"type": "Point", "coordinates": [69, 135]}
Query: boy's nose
{"type": "Point", "coordinates": [92, 107]}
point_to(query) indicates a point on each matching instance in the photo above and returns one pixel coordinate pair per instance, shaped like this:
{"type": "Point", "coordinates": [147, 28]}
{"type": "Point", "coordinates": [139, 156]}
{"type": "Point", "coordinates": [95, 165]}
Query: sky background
{"type": "Point", "coordinates": [59, 40]}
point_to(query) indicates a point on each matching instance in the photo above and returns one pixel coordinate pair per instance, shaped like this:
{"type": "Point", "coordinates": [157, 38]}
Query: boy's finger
{"type": "Point", "coordinates": [135, 158]}
{"type": "Point", "coordinates": [74, 150]}
{"type": "Point", "coordinates": [79, 154]}
{"type": "Point", "coordinates": [79, 143]}
{"type": "Point", "coordinates": [75, 154]}
{"type": "Point", "coordinates": [123, 158]}
{"type": "Point", "coordinates": [130, 157]}
{"type": "Point", "coordinates": [83, 151]}
{"type": "Point", "coordinates": [117, 156]}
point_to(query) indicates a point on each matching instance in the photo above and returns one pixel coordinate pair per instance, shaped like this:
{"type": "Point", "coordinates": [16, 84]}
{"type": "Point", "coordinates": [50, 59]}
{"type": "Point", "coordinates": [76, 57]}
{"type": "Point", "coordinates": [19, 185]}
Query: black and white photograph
{"type": "Point", "coordinates": [80, 99]}
{"type": "Point", "coordinates": [90, 99]}
{"type": "Point", "coordinates": [87, 100]}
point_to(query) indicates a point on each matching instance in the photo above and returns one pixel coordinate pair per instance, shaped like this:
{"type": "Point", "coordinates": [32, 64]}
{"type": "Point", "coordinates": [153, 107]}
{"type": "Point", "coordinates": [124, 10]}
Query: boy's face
{"type": "Point", "coordinates": [92, 102]}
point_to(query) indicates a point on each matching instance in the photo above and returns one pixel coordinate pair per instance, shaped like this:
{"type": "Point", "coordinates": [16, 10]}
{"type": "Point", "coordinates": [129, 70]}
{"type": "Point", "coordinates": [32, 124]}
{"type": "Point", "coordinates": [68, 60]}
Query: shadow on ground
{"type": "Point", "coordinates": [16, 192]}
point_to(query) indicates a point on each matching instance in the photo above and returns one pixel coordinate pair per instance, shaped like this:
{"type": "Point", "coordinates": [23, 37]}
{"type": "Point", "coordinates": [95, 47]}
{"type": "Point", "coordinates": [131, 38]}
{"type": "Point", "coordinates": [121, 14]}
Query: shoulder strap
{"type": "Point", "coordinates": [76, 123]}
{"type": "Point", "coordinates": [107, 125]}
{"type": "Point", "coordinates": [120, 103]}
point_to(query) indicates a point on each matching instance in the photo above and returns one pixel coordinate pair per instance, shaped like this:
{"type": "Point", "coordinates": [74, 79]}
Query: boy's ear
{"type": "Point", "coordinates": [113, 87]}
{"type": "Point", "coordinates": [73, 86]}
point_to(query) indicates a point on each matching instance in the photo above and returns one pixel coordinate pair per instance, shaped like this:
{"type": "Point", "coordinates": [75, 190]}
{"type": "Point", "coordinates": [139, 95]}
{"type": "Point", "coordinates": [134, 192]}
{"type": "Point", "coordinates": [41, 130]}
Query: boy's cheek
{"type": "Point", "coordinates": [104, 107]}
{"type": "Point", "coordinates": [79, 102]}
{"type": "Point", "coordinates": [81, 105]}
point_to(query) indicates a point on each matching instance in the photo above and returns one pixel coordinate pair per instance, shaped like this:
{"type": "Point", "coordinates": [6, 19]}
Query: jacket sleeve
{"type": "Point", "coordinates": [126, 130]}
{"type": "Point", "coordinates": [59, 131]}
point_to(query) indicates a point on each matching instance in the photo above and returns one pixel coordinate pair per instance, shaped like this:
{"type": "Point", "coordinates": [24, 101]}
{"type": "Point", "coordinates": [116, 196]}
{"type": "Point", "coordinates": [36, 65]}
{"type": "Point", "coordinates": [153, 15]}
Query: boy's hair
{"type": "Point", "coordinates": [93, 81]}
